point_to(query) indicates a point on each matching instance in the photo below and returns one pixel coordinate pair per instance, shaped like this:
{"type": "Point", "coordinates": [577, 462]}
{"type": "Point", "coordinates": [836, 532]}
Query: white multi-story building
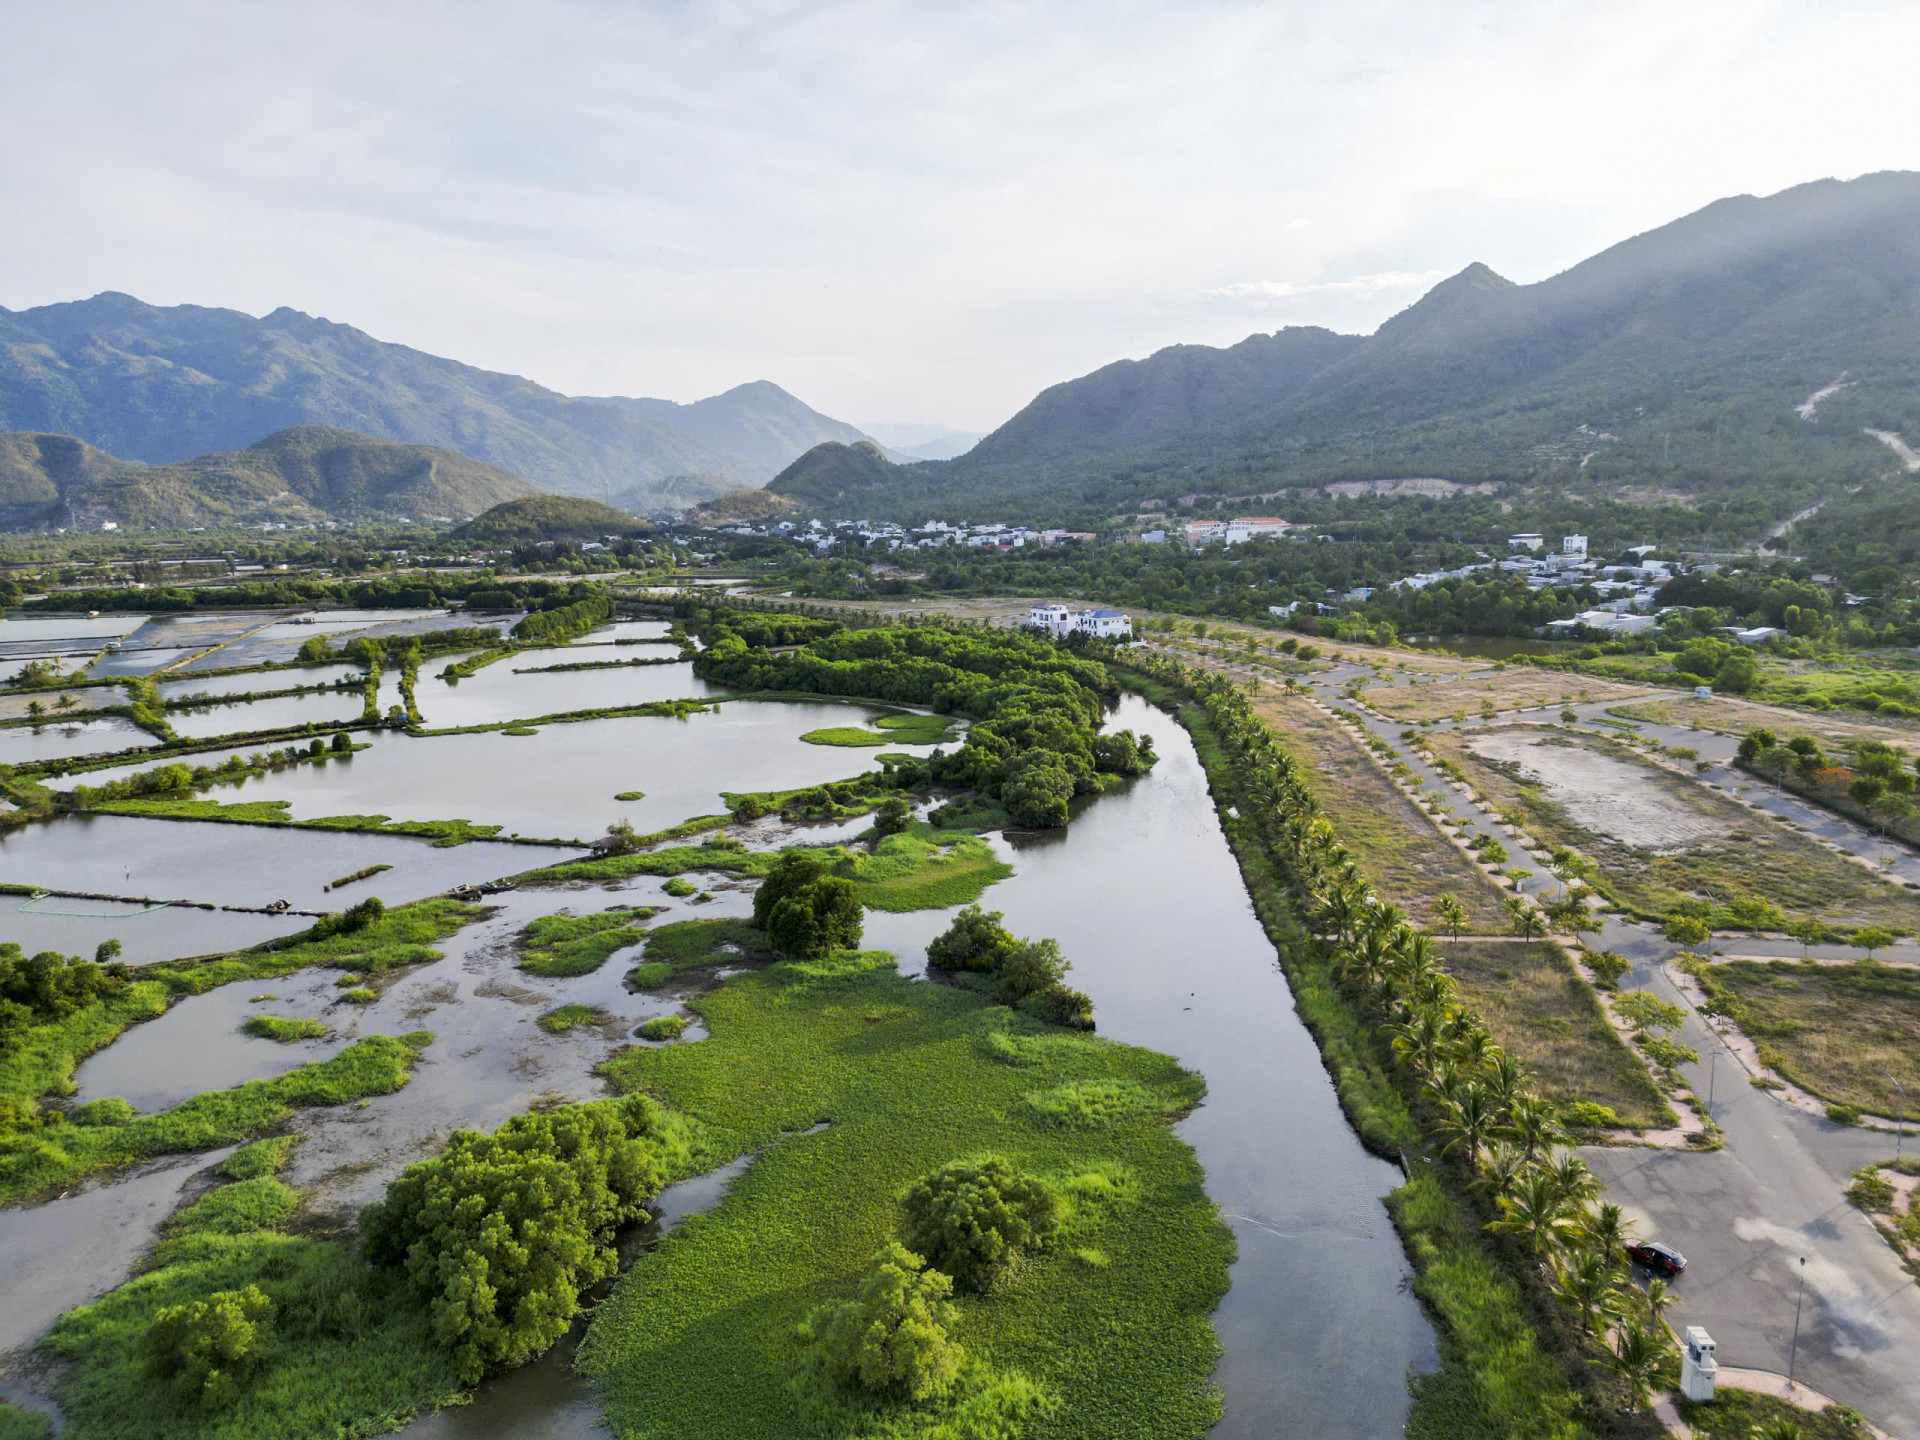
{"type": "Point", "coordinates": [1058, 620]}
{"type": "Point", "coordinates": [1054, 619]}
{"type": "Point", "coordinates": [1103, 624]}
{"type": "Point", "coordinates": [1574, 546]}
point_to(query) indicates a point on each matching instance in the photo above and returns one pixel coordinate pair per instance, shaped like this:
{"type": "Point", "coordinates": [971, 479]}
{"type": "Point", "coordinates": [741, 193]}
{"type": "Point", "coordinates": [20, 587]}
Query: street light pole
{"type": "Point", "coordinates": [1793, 1355]}
{"type": "Point", "coordinates": [1713, 1062]}
{"type": "Point", "coordinates": [1900, 1134]}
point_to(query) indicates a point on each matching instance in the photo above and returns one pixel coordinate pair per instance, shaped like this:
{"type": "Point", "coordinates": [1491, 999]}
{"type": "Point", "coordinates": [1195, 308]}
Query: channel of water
{"type": "Point", "coordinates": [1141, 891]}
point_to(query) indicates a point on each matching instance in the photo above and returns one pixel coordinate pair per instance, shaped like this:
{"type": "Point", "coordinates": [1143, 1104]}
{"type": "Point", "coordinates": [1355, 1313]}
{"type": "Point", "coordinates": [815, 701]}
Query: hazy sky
{"type": "Point", "coordinates": [897, 211]}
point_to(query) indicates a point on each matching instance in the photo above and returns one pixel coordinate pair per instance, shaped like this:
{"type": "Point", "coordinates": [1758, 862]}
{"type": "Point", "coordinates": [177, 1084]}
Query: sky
{"type": "Point", "coordinates": [899, 212]}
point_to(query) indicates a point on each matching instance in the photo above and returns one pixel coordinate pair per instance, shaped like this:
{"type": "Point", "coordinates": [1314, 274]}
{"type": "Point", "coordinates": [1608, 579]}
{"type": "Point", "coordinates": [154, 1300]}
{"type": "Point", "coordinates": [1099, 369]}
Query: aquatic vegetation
{"type": "Point", "coordinates": [687, 943]}
{"type": "Point", "coordinates": [283, 1028]}
{"type": "Point", "coordinates": [35, 1160]}
{"type": "Point", "coordinates": [665, 1027]}
{"type": "Point", "coordinates": [564, 1018]}
{"type": "Point", "coordinates": [922, 868]}
{"type": "Point", "coordinates": [699, 1341]}
{"type": "Point", "coordinates": [566, 944]}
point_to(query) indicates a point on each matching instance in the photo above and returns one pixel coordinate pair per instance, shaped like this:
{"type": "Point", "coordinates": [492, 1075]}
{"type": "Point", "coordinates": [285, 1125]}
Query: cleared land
{"type": "Point", "coordinates": [1836, 1030]}
{"type": "Point", "coordinates": [1730, 716]}
{"type": "Point", "coordinates": [1548, 1018]}
{"type": "Point", "coordinates": [1408, 861]}
{"type": "Point", "coordinates": [1660, 839]}
{"type": "Point", "coordinates": [1518, 687]}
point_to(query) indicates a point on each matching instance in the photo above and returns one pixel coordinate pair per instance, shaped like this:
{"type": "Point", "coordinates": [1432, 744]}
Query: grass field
{"type": "Point", "coordinates": [902, 729]}
{"type": "Point", "coordinates": [1836, 1030]}
{"type": "Point", "coordinates": [1109, 1328]}
{"type": "Point", "coordinates": [274, 812]}
{"type": "Point", "coordinates": [1548, 1018]}
{"type": "Point", "coordinates": [1519, 687]}
{"type": "Point", "coordinates": [1714, 849]}
{"type": "Point", "coordinates": [1408, 860]}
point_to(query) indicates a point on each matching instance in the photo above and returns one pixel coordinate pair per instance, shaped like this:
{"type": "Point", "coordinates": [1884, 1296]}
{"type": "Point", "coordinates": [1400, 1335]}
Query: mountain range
{"type": "Point", "coordinates": [161, 384]}
{"type": "Point", "coordinates": [306, 473]}
{"type": "Point", "coordinates": [1683, 359]}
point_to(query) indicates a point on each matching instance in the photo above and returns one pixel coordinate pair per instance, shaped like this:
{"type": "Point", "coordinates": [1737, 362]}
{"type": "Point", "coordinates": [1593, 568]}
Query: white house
{"type": "Point", "coordinates": [1525, 542]}
{"type": "Point", "coordinates": [1054, 619]}
{"type": "Point", "coordinates": [1574, 546]}
{"type": "Point", "coordinates": [1253, 527]}
{"type": "Point", "coordinates": [1103, 624]}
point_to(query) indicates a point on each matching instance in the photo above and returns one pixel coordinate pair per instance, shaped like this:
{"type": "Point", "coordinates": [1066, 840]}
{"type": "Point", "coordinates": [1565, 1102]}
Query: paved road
{"type": "Point", "coordinates": [1745, 1215]}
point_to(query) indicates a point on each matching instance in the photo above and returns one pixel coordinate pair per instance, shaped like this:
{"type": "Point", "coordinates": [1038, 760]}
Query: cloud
{"type": "Point", "coordinates": [1382, 282]}
{"type": "Point", "coordinates": [889, 207]}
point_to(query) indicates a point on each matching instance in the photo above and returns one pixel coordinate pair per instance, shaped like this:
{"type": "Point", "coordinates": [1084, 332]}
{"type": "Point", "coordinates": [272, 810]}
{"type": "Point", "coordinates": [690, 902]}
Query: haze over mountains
{"type": "Point", "coordinates": [161, 384]}
{"type": "Point", "coordinates": [304, 474]}
{"type": "Point", "coordinates": [1678, 358]}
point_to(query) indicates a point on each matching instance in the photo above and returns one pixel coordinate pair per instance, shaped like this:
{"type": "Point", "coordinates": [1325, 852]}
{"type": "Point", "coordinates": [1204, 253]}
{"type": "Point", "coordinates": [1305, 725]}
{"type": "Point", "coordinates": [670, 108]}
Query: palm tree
{"type": "Point", "coordinates": [1636, 1356]}
{"type": "Point", "coordinates": [1607, 1230]}
{"type": "Point", "coordinates": [1421, 1041]}
{"type": "Point", "coordinates": [1505, 1077]}
{"type": "Point", "coordinates": [1572, 1180]}
{"type": "Point", "coordinates": [1526, 919]}
{"type": "Point", "coordinates": [1659, 1297]}
{"type": "Point", "coordinates": [1469, 1119]}
{"type": "Point", "coordinates": [1530, 1121]}
{"type": "Point", "coordinates": [1535, 1213]}
{"type": "Point", "coordinates": [1502, 1171]}
{"type": "Point", "coordinates": [1586, 1284]}
{"type": "Point", "coordinates": [1777, 1429]}
{"type": "Point", "coordinates": [1451, 914]}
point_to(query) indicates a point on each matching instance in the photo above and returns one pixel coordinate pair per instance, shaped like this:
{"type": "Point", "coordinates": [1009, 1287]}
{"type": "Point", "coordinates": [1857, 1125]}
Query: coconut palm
{"type": "Point", "coordinates": [1502, 1169]}
{"type": "Point", "coordinates": [1636, 1356]}
{"type": "Point", "coordinates": [1587, 1283]}
{"type": "Point", "coordinates": [1421, 1041]}
{"type": "Point", "coordinates": [1469, 1119]}
{"type": "Point", "coordinates": [1607, 1229]}
{"type": "Point", "coordinates": [1571, 1178]}
{"type": "Point", "coordinates": [1504, 1077]}
{"type": "Point", "coordinates": [1535, 1213]}
{"type": "Point", "coordinates": [1451, 914]}
{"type": "Point", "coordinates": [1530, 1121]}
{"type": "Point", "coordinates": [1658, 1297]}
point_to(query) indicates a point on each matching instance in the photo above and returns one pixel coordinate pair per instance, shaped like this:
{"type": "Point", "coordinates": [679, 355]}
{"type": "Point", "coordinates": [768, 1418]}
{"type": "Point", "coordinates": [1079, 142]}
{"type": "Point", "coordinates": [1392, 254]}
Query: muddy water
{"type": "Point", "coordinates": [282, 712]}
{"type": "Point", "coordinates": [249, 682]}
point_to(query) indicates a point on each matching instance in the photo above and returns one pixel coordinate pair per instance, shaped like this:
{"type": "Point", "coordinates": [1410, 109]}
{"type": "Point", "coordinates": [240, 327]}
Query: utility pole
{"type": "Point", "coordinates": [1793, 1355]}
{"type": "Point", "coordinates": [1900, 1134]}
{"type": "Point", "coordinates": [1713, 1062]}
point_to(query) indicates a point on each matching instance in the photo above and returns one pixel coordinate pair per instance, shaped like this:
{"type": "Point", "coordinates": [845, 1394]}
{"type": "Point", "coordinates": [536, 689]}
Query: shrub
{"type": "Point", "coordinates": [1607, 968]}
{"type": "Point", "coordinates": [665, 1027]}
{"type": "Point", "coordinates": [1032, 967]}
{"type": "Point", "coordinates": [1870, 1192]}
{"type": "Point", "coordinates": [892, 1337]}
{"type": "Point", "coordinates": [1588, 1115]}
{"type": "Point", "coordinates": [975, 941]}
{"type": "Point", "coordinates": [974, 1219]}
{"type": "Point", "coordinates": [805, 911]}
{"type": "Point", "coordinates": [892, 817]}
{"type": "Point", "coordinates": [342, 743]}
{"type": "Point", "coordinates": [503, 1232]}
{"type": "Point", "coordinates": [111, 1110]}
{"type": "Point", "coordinates": [1844, 1114]}
{"type": "Point", "coordinates": [1060, 1005]}
{"type": "Point", "coordinates": [679, 888]}
{"type": "Point", "coordinates": [208, 1348]}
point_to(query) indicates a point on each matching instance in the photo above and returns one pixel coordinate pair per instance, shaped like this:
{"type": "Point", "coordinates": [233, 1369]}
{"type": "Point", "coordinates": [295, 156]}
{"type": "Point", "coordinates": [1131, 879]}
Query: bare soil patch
{"type": "Point", "coordinates": [1518, 687]}
{"type": "Point", "coordinates": [1632, 805]}
{"type": "Point", "coordinates": [1731, 716]}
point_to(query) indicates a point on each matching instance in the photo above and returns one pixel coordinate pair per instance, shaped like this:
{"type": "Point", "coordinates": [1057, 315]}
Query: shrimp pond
{"type": "Point", "coordinates": [1141, 891]}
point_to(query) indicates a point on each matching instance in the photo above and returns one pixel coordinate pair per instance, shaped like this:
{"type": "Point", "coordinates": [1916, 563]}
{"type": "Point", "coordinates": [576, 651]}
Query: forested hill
{"type": "Point", "coordinates": [307, 473]}
{"type": "Point", "coordinates": [161, 384]}
{"type": "Point", "coordinates": [1677, 360]}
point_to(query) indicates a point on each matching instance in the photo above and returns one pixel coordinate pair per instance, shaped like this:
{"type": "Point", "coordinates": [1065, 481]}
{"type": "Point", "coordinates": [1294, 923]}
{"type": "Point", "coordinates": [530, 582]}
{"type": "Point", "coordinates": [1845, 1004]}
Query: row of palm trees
{"type": "Point", "coordinates": [1474, 1097]}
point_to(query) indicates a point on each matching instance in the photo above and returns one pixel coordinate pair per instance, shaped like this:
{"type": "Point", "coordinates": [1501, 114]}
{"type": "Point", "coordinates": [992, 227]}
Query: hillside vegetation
{"type": "Point", "coordinates": [158, 384]}
{"type": "Point", "coordinates": [304, 474]}
{"type": "Point", "coordinates": [1682, 360]}
{"type": "Point", "coordinates": [534, 518]}
{"type": "Point", "coordinates": [830, 470]}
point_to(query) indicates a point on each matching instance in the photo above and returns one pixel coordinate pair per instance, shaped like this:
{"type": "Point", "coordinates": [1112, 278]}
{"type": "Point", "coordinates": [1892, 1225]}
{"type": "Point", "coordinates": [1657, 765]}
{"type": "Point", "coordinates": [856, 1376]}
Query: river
{"type": "Point", "coordinates": [1319, 1328]}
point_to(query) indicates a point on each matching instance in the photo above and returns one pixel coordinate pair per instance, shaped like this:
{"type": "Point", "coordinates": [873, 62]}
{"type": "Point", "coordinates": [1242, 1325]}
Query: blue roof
{"type": "Point", "coordinates": [1105, 614]}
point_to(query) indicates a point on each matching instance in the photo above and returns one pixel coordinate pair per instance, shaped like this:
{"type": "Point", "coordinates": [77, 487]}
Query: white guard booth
{"type": "Point", "coordinates": [1697, 1365]}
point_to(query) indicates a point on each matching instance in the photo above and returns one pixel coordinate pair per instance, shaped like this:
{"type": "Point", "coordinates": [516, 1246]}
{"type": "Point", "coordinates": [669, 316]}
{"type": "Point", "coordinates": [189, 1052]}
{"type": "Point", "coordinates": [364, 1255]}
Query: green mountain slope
{"type": "Point", "coordinates": [830, 471]}
{"type": "Point", "coordinates": [159, 384]}
{"type": "Point", "coordinates": [1677, 359]}
{"type": "Point", "coordinates": [758, 427]}
{"type": "Point", "coordinates": [547, 517]}
{"type": "Point", "coordinates": [300, 475]}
